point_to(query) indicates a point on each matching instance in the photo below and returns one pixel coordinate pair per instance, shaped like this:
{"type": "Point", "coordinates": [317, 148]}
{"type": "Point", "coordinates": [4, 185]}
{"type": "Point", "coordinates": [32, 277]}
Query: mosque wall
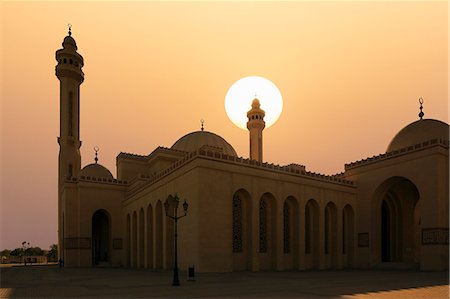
{"type": "Point", "coordinates": [69, 227]}
{"type": "Point", "coordinates": [127, 169]}
{"type": "Point", "coordinates": [222, 181]}
{"type": "Point", "coordinates": [156, 232]}
{"type": "Point", "coordinates": [107, 198]}
{"type": "Point", "coordinates": [416, 187]}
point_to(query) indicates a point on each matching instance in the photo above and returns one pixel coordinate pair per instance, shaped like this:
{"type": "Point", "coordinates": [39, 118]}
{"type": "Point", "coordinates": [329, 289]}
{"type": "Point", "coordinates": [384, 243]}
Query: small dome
{"type": "Point", "coordinates": [418, 132]}
{"type": "Point", "coordinates": [96, 171]}
{"type": "Point", "coordinates": [195, 140]}
{"type": "Point", "coordinates": [69, 42]}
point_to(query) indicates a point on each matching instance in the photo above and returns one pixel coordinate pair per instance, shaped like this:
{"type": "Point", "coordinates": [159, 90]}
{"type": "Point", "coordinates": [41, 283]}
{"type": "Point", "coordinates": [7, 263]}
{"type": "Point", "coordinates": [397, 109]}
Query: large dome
{"type": "Point", "coordinates": [96, 171]}
{"type": "Point", "coordinates": [195, 140]}
{"type": "Point", "coordinates": [418, 132]}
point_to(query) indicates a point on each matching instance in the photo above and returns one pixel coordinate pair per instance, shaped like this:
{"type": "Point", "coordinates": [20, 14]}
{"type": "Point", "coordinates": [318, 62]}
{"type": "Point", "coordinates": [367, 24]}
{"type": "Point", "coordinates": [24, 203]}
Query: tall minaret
{"type": "Point", "coordinates": [256, 125]}
{"type": "Point", "coordinates": [70, 76]}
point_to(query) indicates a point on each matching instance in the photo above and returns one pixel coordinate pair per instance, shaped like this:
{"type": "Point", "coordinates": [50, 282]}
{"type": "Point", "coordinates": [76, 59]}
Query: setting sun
{"type": "Point", "coordinates": [241, 94]}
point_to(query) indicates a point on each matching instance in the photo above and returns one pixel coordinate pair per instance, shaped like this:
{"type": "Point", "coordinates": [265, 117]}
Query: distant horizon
{"type": "Point", "coordinates": [351, 75]}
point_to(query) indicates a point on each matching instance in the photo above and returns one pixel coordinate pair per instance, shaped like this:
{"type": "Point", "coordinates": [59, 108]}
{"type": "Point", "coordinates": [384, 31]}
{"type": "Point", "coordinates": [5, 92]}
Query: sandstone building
{"type": "Point", "coordinates": [384, 210]}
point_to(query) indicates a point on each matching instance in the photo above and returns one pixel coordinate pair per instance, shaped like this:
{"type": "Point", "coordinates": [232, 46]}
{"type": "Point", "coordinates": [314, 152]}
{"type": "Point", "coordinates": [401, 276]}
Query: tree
{"type": "Point", "coordinates": [5, 252]}
{"type": "Point", "coordinates": [16, 252]}
{"type": "Point", "coordinates": [52, 254]}
{"type": "Point", "coordinates": [34, 251]}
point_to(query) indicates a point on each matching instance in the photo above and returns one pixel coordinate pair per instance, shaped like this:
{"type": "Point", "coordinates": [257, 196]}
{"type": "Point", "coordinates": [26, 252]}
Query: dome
{"type": "Point", "coordinates": [418, 132]}
{"type": "Point", "coordinates": [195, 140]}
{"type": "Point", "coordinates": [96, 171]}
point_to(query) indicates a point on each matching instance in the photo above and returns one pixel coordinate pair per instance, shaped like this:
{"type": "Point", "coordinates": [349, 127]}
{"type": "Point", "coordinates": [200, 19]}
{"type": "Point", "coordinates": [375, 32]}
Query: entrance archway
{"type": "Point", "coordinates": [100, 237]}
{"type": "Point", "coordinates": [397, 221]}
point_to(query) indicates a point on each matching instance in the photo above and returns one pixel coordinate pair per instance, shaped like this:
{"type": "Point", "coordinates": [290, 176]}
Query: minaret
{"type": "Point", "coordinates": [256, 125]}
{"type": "Point", "coordinates": [70, 76]}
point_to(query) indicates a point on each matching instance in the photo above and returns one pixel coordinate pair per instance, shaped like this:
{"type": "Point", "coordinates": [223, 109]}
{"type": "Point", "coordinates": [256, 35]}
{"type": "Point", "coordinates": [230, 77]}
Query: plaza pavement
{"type": "Point", "coordinates": [53, 282]}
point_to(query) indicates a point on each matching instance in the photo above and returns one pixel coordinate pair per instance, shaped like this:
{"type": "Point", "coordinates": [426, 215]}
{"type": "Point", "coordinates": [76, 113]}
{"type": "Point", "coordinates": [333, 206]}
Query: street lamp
{"type": "Point", "coordinates": [174, 201]}
{"type": "Point", "coordinates": [25, 246]}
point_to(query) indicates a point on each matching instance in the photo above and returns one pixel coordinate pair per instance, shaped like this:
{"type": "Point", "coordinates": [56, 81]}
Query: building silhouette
{"type": "Point", "coordinates": [245, 214]}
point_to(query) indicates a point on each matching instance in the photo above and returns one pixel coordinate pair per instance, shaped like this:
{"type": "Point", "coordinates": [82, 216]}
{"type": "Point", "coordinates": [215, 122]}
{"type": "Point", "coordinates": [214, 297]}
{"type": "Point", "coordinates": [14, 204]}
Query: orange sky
{"type": "Point", "coordinates": [350, 74]}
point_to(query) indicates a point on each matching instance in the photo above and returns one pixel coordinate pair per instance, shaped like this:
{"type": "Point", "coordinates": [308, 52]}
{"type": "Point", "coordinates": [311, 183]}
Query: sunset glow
{"type": "Point", "coordinates": [350, 74]}
{"type": "Point", "coordinates": [241, 94]}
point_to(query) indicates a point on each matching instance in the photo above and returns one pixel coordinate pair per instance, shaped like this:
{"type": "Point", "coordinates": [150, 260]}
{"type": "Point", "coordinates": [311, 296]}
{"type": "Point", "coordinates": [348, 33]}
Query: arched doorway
{"type": "Point", "coordinates": [100, 237]}
{"type": "Point", "coordinates": [348, 225]}
{"type": "Point", "coordinates": [330, 235]}
{"type": "Point", "coordinates": [141, 239]}
{"type": "Point", "coordinates": [158, 235]}
{"type": "Point", "coordinates": [134, 241]}
{"type": "Point", "coordinates": [397, 227]}
{"type": "Point", "coordinates": [149, 236]}
{"type": "Point", "coordinates": [241, 230]}
{"type": "Point", "coordinates": [291, 233]}
{"type": "Point", "coordinates": [312, 235]}
{"type": "Point", "coordinates": [128, 247]}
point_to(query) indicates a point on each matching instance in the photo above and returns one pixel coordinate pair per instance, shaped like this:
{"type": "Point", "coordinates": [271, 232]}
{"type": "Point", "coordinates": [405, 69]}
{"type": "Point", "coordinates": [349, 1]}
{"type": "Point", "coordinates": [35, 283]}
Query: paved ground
{"type": "Point", "coordinates": [54, 282]}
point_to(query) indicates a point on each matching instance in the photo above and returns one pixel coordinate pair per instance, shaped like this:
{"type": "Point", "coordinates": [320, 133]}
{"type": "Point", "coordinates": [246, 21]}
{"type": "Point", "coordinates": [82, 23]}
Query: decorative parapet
{"type": "Point", "coordinates": [159, 149]}
{"type": "Point", "coordinates": [297, 170]}
{"type": "Point", "coordinates": [295, 166]}
{"type": "Point", "coordinates": [96, 180]}
{"type": "Point", "coordinates": [399, 152]}
{"type": "Point", "coordinates": [132, 156]}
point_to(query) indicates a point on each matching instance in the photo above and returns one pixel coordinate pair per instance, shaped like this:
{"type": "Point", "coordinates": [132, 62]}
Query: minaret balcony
{"type": "Point", "coordinates": [63, 71]}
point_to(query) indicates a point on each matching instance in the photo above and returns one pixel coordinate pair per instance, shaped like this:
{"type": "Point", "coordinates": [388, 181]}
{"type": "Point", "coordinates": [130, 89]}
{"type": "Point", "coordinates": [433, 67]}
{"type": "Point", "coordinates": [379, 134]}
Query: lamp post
{"type": "Point", "coordinates": [174, 201]}
{"type": "Point", "coordinates": [25, 246]}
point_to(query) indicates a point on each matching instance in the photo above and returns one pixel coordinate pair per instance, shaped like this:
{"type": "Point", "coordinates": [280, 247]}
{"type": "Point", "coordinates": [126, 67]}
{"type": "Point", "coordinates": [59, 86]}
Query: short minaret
{"type": "Point", "coordinates": [256, 125]}
{"type": "Point", "coordinates": [70, 75]}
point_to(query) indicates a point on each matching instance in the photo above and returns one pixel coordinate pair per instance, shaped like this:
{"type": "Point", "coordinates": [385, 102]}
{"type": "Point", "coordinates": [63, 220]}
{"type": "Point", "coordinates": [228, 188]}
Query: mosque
{"type": "Point", "coordinates": [390, 210]}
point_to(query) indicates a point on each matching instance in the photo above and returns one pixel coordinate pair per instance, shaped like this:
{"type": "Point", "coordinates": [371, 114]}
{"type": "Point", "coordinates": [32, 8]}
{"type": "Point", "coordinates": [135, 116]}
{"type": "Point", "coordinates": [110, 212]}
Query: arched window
{"type": "Point", "coordinates": [262, 226]}
{"type": "Point", "coordinates": [307, 230]}
{"type": "Point", "coordinates": [327, 231]}
{"type": "Point", "coordinates": [237, 224]}
{"type": "Point", "coordinates": [286, 228]}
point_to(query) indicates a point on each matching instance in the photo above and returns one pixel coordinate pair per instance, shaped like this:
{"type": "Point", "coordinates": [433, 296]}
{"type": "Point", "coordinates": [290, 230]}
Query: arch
{"type": "Point", "coordinates": [348, 229]}
{"type": "Point", "coordinates": [134, 240]}
{"type": "Point", "coordinates": [158, 235]}
{"type": "Point", "coordinates": [101, 237]}
{"type": "Point", "coordinates": [291, 233]}
{"type": "Point", "coordinates": [267, 232]}
{"type": "Point", "coordinates": [141, 238]}
{"type": "Point", "coordinates": [169, 239]}
{"type": "Point", "coordinates": [312, 235]}
{"type": "Point", "coordinates": [396, 221]}
{"type": "Point", "coordinates": [330, 235]}
{"type": "Point", "coordinates": [241, 231]}
{"type": "Point", "coordinates": [149, 252]}
{"type": "Point", "coordinates": [128, 248]}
